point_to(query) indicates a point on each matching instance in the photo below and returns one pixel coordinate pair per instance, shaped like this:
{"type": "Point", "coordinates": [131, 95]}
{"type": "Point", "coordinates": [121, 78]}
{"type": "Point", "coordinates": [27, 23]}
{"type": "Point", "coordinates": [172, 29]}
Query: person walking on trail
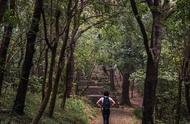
{"type": "Point", "coordinates": [105, 103]}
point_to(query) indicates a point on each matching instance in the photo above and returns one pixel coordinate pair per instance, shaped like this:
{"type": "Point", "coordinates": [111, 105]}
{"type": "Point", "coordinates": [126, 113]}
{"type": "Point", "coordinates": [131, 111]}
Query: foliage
{"type": "Point", "coordinates": [138, 113]}
{"type": "Point", "coordinates": [77, 111]}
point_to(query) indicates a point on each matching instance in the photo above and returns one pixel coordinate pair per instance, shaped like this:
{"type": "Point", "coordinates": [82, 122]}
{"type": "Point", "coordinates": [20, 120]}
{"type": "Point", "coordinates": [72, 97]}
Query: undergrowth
{"type": "Point", "coordinates": [77, 111]}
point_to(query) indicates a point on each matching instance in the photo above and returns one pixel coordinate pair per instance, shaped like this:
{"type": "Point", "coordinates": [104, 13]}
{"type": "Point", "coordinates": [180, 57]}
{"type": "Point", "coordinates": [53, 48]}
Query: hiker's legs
{"type": "Point", "coordinates": [106, 114]}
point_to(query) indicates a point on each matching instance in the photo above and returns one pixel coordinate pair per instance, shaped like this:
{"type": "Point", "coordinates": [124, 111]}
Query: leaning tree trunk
{"type": "Point", "coordinates": [69, 72]}
{"type": "Point", "coordinates": [45, 73]}
{"type": "Point", "coordinates": [3, 6]}
{"type": "Point", "coordinates": [49, 89]}
{"type": "Point", "coordinates": [27, 64]}
{"type": "Point", "coordinates": [5, 45]}
{"type": "Point", "coordinates": [61, 61]}
{"type": "Point", "coordinates": [125, 90]}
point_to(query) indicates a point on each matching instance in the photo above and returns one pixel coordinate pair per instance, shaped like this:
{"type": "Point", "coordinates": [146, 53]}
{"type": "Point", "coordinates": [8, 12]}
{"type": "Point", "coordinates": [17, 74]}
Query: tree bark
{"type": "Point", "coordinates": [3, 6]}
{"type": "Point", "coordinates": [27, 64]}
{"type": "Point", "coordinates": [5, 45]}
{"type": "Point", "coordinates": [125, 90]}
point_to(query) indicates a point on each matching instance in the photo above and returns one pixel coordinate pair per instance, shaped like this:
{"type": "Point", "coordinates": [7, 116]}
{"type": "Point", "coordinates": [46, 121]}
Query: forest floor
{"type": "Point", "coordinates": [123, 114]}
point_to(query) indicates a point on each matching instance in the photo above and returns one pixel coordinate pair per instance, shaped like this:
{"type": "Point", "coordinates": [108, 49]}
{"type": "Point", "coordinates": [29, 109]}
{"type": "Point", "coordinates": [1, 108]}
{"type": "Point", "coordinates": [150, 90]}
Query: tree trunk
{"type": "Point", "coordinates": [125, 90]}
{"type": "Point", "coordinates": [61, 61]}
{"type": "Point", "coordinates": [5, 45]}
{"type": "Point", "coordinates": [112, 82]}
{"type": "Point", "coordinates": [150, 92]}
{"type": "Point", "coordinates": [186, 70]}
{"type": "Point", "coordinates": [45, 73]}
{"type": "Point", "coordinates": [27, 64]}
{"type": "Point", "coordinates": [49, 89]}
{"type": "Point", "coordinates": [178, 112]}
{"type": "Point", "coordinates": [187, 97]}
{"type": "Point", "coordinates": [3, 6]}
{"type": "Point", "coordinates": [57, 78]}
{"type": "Point", "coordinates": [151, 79]}
{"type": "Point", "coordinates": [3, 52]}
{"type": "Point", "coordinates": [70, 70]}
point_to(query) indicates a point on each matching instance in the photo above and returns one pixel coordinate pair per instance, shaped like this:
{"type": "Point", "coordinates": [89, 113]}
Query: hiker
{"type": "Point", "coordinates": [105, 102]}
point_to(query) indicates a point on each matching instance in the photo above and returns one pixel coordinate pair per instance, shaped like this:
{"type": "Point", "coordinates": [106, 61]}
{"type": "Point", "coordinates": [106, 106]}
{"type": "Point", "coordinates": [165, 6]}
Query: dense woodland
{"type": "Point", "coordinates": [46, 44]}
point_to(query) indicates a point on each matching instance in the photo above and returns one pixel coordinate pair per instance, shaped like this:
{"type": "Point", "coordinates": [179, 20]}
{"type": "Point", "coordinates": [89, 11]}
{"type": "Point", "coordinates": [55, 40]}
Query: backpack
{"type": "Point", "coordinates": [106, 103]}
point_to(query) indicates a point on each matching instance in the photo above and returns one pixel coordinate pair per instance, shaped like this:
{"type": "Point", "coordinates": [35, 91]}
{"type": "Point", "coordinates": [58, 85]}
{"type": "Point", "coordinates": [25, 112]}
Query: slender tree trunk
{"type": "Point", "coordinates": [178, 112]}
{"type": "Point", "coordinates": [187, 97]}
{"type": "Point", "coordinates": [45, 73]}
{"type": "Point", "coordinates": [61, 61]}
{"type": "Point", "coordinates": [5, 45]}
{"type": "Point", "coordinates": [3, 52]}
{"type": "Point", "coordinates": [64, 96]}
{"type": "Point", "coordinates": [70, 70]}
{"type": "Point", "coordinates": [112, 82]}
{"type": "Point", "coordinates": [3, 6]}
{"type": "Point", "coordinates": [49, 89]}
{"type": "Point", "coordinates": [125, 90]}
{"type": "Point", "coordinates": [57, 77]}
{"type": "Point", "coordinates": [27, 64]}
{"type": "Point", "coordinates": [186, 71]}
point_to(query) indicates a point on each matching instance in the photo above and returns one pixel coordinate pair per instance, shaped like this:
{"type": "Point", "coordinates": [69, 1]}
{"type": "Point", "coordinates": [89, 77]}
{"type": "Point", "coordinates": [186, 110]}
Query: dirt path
{"type": "Point", "coordinates": [122, 115]}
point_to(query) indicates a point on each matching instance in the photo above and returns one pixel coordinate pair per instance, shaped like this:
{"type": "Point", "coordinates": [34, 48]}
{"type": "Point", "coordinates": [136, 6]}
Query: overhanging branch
{"type": "Point", "coordinates": [141, 25]}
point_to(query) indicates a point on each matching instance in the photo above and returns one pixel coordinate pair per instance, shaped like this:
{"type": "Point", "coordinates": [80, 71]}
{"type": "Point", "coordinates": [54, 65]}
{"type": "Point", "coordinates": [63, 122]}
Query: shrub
{"type": "Point", "coordinates": [138, 113]}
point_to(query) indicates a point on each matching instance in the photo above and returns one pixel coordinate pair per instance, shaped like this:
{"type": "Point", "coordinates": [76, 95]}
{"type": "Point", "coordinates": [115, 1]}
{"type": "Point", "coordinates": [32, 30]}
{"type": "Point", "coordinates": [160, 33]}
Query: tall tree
{"type": "Point", "coordinates": [19, 102]}
{"type": "Point", "coordinates": [125, 100]}
{"type": "Point", "coordinates": [61, 60]}
{"type": "Point", "coordinates": [159, 10]}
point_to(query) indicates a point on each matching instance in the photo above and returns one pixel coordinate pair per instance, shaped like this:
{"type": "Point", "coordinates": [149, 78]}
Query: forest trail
{"type": "Point", "coordinates": [123, 115]}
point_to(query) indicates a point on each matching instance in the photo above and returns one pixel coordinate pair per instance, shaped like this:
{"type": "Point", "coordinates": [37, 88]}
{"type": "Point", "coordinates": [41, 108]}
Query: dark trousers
{"type": "Point", "coordinates": [106, 115]}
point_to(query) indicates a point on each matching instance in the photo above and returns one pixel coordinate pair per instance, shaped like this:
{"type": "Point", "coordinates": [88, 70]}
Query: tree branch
{"type": "Point", "coordinates": [45, 29]}
{"type": "Point", "coordinates": [92, 25]}
{"type": "Point", "coordinates": [141, 25]}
